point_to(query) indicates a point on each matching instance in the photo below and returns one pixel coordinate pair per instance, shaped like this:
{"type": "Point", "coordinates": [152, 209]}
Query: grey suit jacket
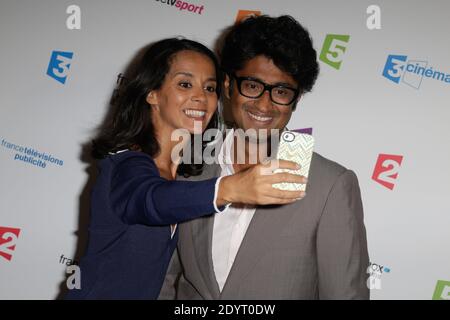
{"type": "Point", "coordinates": [315, 248]}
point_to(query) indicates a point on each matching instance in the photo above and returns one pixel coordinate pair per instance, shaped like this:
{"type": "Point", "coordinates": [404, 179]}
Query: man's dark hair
{"type": "Point", "coordinates": [281, 39]}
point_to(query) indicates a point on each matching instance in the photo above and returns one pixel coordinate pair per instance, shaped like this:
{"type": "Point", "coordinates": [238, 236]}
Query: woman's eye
{"type": "Point", "coordinates": [211, 89]}
{"type": "Point", "coordinates": [185, 85]}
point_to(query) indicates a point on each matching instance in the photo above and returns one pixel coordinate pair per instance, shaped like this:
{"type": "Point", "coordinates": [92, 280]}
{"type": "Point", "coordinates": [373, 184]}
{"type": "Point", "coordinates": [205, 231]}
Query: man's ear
{"type": "Point", "coordinates": [152, 98]}
{"type": "Point", "coordinates": [226, 84]}
{"type": "Point", "coordinates": [294, 104]}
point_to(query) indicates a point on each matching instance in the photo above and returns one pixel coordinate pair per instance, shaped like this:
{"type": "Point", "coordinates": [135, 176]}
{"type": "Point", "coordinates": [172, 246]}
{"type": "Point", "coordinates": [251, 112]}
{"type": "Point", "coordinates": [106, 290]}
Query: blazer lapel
{"type": "Point", "coordinates": [201, 231]}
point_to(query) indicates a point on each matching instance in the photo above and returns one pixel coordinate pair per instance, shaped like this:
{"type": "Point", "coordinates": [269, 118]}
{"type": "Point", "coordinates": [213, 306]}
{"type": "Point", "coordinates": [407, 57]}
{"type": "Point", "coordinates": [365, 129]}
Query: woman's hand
{"type": "Point", "coordinates": [254, 185]}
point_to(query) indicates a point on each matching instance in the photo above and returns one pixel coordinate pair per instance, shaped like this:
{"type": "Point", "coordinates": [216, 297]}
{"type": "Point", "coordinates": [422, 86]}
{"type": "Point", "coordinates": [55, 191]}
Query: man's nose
{"type": "Point", "coordinates": [264, 103]}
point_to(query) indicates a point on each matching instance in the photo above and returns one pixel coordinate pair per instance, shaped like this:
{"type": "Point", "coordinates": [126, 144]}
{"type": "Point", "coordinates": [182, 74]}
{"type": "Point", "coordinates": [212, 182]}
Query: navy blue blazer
{"type": "Point", "coordinates": [130, 242]}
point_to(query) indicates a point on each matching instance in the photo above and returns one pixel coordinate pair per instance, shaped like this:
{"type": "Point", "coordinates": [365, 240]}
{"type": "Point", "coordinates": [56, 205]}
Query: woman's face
{"type": "Point", "coordinates": [187, 98]}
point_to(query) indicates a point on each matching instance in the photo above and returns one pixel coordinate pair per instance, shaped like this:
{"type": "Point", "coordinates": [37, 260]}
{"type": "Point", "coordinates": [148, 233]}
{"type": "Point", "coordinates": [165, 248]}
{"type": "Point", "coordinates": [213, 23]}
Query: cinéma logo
{"type": "Point", "coordinates": [8, 239]}
{"type": "Point", "coordinates": [58, 67]}
{"type": "Point", "coordinates": [333, 49]}
{"type": "Point", "coordinates": [411, 72]}
{"type": "Point", "coordinates": [442, 290]}
{"type": "Point", "coordinates": [386, 170]}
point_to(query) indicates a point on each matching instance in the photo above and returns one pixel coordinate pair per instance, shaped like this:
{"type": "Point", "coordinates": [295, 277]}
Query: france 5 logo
{"type": "Point", "coordinates": [442, 290]}
{"type": "Point", "coordinates": [386, 170]}
{"type": "Point", "coordinates": [333, 49]}
{"type": "Point", "coordinates": [58, 67]}
{"type": "Point", "coordinates": [411, 72]}
{"type": "Point", "coordinates": [8, 240]}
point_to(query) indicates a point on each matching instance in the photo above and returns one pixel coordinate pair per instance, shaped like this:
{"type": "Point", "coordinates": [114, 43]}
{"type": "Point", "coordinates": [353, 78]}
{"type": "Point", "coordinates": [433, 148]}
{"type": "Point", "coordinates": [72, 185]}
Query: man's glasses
{"type": "Point", "coordinates": [254, 88]}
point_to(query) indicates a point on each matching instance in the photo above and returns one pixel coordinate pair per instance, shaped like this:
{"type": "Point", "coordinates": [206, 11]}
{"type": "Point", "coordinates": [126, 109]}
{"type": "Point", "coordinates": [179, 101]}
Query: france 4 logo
{"type": "Point", "coordinates": [8, 240]}
{"type": "Point", "coordinates": [58, 67]}
{"type": "Point", "coordinates": [411, 72]}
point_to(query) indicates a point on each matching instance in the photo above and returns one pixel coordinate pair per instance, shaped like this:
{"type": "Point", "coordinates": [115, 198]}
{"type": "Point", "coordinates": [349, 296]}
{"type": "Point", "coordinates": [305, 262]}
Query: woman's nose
{"type": "Point", "coordinates": [199, 95]}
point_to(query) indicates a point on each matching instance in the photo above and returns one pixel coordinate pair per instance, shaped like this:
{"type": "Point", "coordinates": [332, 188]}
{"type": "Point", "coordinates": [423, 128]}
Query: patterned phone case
{"type": "Point", "coordinates": [296, 147]}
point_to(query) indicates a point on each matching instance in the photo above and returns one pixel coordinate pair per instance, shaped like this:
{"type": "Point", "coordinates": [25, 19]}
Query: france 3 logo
{"type": "Point", "coordinates": [411, 72]}
{"type": "Point", "coordinates": [8, 240]}
{"type": "Point", "coordinates": [58, 67]}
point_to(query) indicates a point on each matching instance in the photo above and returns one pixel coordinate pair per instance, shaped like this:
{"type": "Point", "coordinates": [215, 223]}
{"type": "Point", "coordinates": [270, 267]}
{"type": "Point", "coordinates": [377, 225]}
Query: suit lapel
{"type": "Point", "coordinates": [264, 229]}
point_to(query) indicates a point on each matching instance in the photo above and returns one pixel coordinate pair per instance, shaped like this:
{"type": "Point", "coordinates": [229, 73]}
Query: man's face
{"type": "Point", "coordinates": [260, 113]}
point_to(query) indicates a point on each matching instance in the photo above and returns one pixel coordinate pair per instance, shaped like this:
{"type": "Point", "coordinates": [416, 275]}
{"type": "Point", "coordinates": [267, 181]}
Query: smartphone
{"type": "Point", "coordinates": [296, 147]}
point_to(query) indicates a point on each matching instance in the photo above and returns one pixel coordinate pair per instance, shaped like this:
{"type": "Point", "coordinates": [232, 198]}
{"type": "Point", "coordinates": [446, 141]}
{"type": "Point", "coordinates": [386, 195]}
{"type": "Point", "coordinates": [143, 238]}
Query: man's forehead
{"type": "Point", "coordinates": [264, 68]}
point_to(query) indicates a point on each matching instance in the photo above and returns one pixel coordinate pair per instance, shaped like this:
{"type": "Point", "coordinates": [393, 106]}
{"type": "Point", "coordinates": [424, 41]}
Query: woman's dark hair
{"type": "Point", "coordinates": [281, 39]}
{"type": "Point", "coordinates": [129, 125]}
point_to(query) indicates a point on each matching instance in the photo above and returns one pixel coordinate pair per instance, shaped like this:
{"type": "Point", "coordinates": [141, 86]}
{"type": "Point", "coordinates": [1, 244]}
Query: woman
{"type": "Point", "coordinates": [135, 203]}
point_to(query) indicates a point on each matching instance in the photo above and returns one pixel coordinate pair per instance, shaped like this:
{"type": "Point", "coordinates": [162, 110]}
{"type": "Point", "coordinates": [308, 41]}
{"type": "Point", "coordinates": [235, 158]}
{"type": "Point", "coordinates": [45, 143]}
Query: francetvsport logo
{"type": "Point", "coordinates": [183, 6]}
{"type": "Point", "coordinates": [30, 155]}
{"type": "Point", "coordinates": [412, 71]}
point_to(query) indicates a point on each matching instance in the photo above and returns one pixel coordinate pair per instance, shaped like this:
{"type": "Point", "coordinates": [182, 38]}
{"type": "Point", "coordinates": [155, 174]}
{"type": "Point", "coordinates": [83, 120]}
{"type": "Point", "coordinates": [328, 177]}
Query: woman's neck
{"type": "Point", "coordinates": [166, 160]}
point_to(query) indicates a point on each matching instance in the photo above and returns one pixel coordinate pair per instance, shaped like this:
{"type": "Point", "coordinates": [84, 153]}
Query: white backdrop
{"type": "Point", "coordinates": [356, 113]}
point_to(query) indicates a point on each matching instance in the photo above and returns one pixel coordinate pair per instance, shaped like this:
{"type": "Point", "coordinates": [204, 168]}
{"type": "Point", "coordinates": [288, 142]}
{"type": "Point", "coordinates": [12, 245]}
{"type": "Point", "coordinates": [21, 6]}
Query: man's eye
{"type": "Point", "coordinates": [185, 85]}
{"type": "Point", "coordinates": [251, 86]}
{"type": "Point", "coordinates": [282, 92]}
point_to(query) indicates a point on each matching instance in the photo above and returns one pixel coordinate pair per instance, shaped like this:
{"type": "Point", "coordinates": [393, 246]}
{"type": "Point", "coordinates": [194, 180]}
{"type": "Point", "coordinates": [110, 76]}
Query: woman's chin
{"type": "Point", "coordinates": [195, 127]}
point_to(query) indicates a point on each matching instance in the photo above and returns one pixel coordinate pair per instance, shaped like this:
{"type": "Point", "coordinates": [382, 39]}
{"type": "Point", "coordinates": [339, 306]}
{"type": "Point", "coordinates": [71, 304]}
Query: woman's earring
{"type": "Point", "coordinates": [151, 99]}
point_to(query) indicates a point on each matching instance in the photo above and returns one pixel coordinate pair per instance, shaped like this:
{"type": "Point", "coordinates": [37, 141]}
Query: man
{"type": "Point", "coordinates": [314, 248]}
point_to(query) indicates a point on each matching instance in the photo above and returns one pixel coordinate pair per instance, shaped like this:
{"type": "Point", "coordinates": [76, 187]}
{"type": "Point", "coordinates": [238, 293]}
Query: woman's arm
{"type": "Point", "coordinates": [140, 196]}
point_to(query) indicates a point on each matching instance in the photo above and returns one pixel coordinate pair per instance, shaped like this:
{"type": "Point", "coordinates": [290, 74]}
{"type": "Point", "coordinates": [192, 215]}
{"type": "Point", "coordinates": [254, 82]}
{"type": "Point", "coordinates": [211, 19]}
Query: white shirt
{"type": "Point", "coordinates": [229, 228]}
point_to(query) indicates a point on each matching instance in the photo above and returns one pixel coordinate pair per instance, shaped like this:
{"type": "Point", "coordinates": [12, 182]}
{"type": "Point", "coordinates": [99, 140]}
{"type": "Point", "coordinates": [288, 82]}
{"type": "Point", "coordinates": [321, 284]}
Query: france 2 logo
{"type": "Point", "coordinates": [58, 67]}
{"type": "Point", "coordinates": [8, 239]}
{"type": "Point", "coordinates": [386, 170]}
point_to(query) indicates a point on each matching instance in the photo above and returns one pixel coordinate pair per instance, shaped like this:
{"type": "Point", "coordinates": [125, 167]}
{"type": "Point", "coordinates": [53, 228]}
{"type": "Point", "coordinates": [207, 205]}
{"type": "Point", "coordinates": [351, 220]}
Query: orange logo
{"type": "Point", "coordinates": [244, 14]}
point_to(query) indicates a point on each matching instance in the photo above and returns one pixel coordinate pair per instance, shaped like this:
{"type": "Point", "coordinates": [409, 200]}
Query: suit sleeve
{"type": "Point", "coordinates": [140, 196]}
{"type": "Point", "coordinates": [342, 244]}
